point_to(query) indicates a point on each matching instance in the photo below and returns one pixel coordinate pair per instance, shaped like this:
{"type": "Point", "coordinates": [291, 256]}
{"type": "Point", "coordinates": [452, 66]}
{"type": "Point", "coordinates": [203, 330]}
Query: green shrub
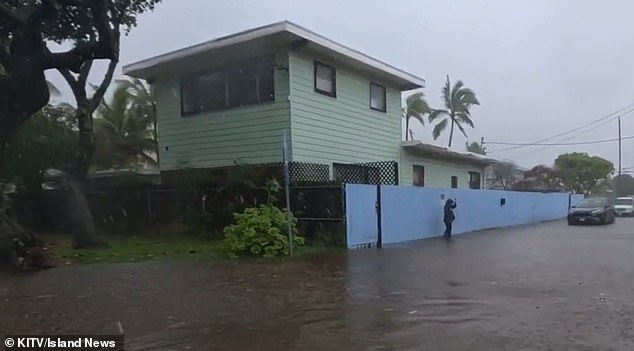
{"type": "Point", "coordinates": [261, 231]}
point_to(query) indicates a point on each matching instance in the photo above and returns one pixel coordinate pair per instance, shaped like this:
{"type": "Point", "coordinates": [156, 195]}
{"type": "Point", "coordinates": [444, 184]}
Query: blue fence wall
{"type": "Point", "coordinates": [411, 213]}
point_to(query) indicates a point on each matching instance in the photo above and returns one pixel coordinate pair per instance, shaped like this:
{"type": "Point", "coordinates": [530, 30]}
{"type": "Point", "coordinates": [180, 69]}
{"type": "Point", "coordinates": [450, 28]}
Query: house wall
{"type": "Point", "coordinates": [341, 129]}
{"type": "Point", "coordinates": [437, 173]}
{"type": "Point", "coordinates": [412, 213]}
{"type": "Point", "coordinates": [250, 134]}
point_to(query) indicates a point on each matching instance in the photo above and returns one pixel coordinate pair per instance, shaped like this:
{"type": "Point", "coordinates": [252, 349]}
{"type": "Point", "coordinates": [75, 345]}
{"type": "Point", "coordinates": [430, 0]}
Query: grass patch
{"type": "Point", "coordinates": [168, 248]}
{"type": "Point", "coordinates": [135, 249]}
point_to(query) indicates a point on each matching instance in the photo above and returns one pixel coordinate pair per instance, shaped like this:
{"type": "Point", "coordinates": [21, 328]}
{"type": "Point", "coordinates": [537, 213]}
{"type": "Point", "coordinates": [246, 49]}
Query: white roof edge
{"type": "Point", "coordinates": [258, 32]}
{"type": "Point", "coordinates": [484, 158]}
{"type": "Point", "coordinates": [231, 39]}
{"type": "Point", "coordinates": [354, 54]}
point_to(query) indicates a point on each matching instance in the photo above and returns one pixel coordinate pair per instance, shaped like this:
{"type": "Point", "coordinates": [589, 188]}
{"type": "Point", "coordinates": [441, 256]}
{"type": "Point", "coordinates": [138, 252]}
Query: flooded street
{"type": "Point", "coordinates": [545, 287]}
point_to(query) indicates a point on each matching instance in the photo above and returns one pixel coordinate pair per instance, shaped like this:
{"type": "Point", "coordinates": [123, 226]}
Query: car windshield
{"type": "Point", "coordinates": [629, 202]}
{"type": "Point", "coordinates": [591, 203]}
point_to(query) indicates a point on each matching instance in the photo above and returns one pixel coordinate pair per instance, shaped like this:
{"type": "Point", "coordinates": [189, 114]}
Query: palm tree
{"type": "Point", "coordinates": [125, 130]}
{"type": "Point", "coordinates": [475, 147]}
{"type": "Point", "coordinates": [457, 103]}
{"type": "Point", "coordinates": [415, 107]}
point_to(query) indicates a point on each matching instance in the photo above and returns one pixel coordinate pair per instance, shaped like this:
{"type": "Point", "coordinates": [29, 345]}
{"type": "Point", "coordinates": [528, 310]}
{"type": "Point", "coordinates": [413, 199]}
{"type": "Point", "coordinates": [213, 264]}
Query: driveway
{"type": "Point", "coordinates": [542, 287]}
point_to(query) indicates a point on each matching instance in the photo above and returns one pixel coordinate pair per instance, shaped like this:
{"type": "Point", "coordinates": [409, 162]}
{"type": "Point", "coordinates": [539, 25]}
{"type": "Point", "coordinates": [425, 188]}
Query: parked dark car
{"type": "Point", "coordinates": [593, 211]}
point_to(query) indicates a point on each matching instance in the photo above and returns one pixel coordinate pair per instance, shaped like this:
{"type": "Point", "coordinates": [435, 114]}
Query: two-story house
{"type": "Point", "coordinates": [230, 100]}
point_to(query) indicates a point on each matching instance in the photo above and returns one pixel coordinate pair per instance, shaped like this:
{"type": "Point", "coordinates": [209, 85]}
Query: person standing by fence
{"type": "Point", "coordinates": [449, 217]}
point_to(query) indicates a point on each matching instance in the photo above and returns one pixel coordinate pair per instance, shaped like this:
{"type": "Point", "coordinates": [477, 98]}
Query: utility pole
{"type": "Point", "coordinates": [619, 145]}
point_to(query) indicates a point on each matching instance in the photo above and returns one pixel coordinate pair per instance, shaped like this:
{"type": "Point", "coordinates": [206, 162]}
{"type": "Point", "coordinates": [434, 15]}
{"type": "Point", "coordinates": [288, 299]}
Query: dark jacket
{"type": "Point", "coordinates": [449, 207]}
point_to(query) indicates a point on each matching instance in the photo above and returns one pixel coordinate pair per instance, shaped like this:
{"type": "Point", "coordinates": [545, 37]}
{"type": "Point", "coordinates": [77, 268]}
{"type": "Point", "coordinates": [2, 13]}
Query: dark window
{"type": "Point", "coordinates": [418, 178]}
{"type": "Point", "coordinates": [377, 97]}
{"type": "Point", "coordinates": [474, 180]}
{"type": "Point", "coordinates": [325, 80]}
{"type": "Point", "coordinates": [454, 182]}
{"type": "Point", "coordinates": [211, 92]}
{"type": "Point", "coordinates": [247, 83]}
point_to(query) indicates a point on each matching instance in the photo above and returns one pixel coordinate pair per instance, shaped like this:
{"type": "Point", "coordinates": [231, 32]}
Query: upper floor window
{"type": "Point", "coordinates": [325, 79]}
{"type": "Point", "coordinates": [418, 178]}
{"type": "Point", "coordinates": [247, 83]}
{"type": "Point", "coordinates": [377, 97]}
{"type": "Point", "coordinates": [474, 180]}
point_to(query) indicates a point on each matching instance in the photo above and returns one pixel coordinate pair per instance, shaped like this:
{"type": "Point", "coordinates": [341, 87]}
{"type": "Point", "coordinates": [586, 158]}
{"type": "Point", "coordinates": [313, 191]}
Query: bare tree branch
{"type": "Point", "coordinates": [105, 83]}
{"type": "Point", "coordinates": [74, 58]}
{"type": "Point", "coordinates": [79, 91]}
{"type": "Point", "coordinates": [84, 72]}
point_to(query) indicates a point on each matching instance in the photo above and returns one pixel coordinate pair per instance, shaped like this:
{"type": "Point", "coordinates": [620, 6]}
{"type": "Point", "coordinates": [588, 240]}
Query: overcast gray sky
{"type": "Point", "coordinates": [538, 67]}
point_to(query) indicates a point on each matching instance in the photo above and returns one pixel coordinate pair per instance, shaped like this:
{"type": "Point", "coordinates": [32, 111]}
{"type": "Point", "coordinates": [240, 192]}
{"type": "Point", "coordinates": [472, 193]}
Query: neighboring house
{"type": "Point", "coordinates": [229, 101]}
{"type": "Point", "coordinates": [440, 167]}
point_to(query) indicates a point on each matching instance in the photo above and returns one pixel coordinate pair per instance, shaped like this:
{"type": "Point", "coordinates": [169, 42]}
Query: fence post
{"type": "Point", "coordinates": [148, 194]}
{"type": "Point", "coordinates": [379, 234]}
{"type": "Point", "coordinates": [396, 180]}
{"type": "Point", "coordinates": [343, 211]}
{"type": "Point", "coordinates": [569, 201]}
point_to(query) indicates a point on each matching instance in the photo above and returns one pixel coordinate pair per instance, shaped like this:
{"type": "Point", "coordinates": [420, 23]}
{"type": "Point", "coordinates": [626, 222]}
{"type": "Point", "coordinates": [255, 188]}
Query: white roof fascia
{"type": "Point", "coordinates": [256, 33]}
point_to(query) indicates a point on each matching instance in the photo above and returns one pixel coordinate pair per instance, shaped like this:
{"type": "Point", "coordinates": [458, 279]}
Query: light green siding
{"type": "Point", "coordinates": [250, 134]}
{"type": "Point", "coordinates": [341, 129]}
{"type": "Point", "coordinates": [437, 173]}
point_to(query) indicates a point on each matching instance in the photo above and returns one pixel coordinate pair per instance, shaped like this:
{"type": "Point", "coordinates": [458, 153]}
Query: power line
{"type": "Point", "coordinates": [594, 127]}
{"type": "Point", "coordinates": [604, 119]}
{"type": "Point", "coordinates": [562, 144]}
{"type": "Point", "coordinates": [572, 136]}
{"type": "Point", "coordinates": [580, 129]}
{"type": "Point", "coordinates": [564, 139]}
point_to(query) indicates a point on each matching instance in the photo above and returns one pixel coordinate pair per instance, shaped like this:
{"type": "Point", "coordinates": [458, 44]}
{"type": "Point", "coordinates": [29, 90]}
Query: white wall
{"type": "Point", "coordinates": [412, 213]}
{"type": "Point", "coordinates": [437, 173]}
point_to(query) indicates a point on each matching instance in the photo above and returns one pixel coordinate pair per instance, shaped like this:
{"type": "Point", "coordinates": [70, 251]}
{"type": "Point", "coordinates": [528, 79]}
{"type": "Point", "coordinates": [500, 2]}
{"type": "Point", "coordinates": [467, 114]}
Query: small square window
{"type": "Point", "coordinates": [377, 97]}
{"type": "Point", "coordinates": [474, 180]}
{"type": "Point", "coordinates": [418, 175]}
{"type": "Point", "coordinates": [325, 82]}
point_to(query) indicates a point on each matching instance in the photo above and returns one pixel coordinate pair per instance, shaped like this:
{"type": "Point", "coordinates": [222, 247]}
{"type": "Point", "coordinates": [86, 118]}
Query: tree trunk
{"type": "Point", "coordinates": [82, 223]}
{"type": "Point", "coordinates": [406, 127]}
{"type": "Point", "coordinates": [451, 131]}
{"type": "Point", "coordinates": [81, 219]}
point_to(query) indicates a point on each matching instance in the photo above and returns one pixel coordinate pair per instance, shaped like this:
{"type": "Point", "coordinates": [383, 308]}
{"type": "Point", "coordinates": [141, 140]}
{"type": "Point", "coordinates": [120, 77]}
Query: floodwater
{"type": "Point", "coordinates": [544, 287]}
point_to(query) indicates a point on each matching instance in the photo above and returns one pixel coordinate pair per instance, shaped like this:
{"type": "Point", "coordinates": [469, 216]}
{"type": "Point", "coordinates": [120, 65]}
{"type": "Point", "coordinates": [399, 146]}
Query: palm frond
{"type": "Point", "coordinates": [459, 125]}
{"type": "Point", "coordinates": [124, 129]}
{"type": "Point", "coordinates": [435, 114]}
{"type": "Point", "coordinates": [455, 91]}
{"type": "Point", "coordinates": [439, 128]}
{"type": "Point", "coordinates": [463, 117]}
{"type": "Point", "coordinates": [446, 94]}
{"type": "Point", "coordinates": [467, 97]}
{"type": "Point", "coordinates": [416, 107]}
{"type": "Point", "coordinates": [52, 89]}
{"type": "Point", "coordinates": [148, 159]}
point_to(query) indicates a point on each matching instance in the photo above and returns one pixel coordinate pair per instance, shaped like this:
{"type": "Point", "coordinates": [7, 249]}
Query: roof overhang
{"type": "Point", "coordinates": [277, 34]}
{"type": "Point", "coordinates": [442, 153]}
